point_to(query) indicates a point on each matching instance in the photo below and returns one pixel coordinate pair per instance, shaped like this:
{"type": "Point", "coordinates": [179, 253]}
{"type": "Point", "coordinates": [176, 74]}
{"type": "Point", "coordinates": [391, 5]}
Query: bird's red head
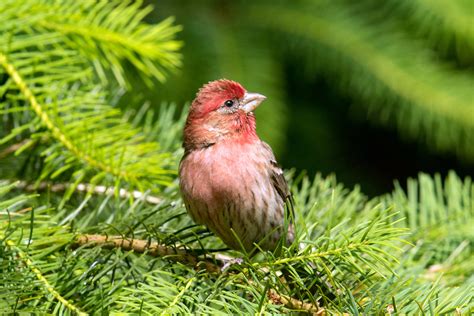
{"type": "Point", "coordinates": [214, 94]}
{"type": "Point", "coordinates": [222, 110]}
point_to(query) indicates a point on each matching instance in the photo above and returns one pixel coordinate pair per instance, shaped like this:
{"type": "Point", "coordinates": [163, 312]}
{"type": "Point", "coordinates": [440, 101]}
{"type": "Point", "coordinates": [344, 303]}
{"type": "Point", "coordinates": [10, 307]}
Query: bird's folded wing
{"type": "Point", "coordinates": [281, 185]}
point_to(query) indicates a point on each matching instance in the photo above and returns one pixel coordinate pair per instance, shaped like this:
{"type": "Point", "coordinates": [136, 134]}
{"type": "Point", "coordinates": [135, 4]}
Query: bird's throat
{"type": "Point", "coordinates": [245, 127]}
{"type": "Point", "coordinates": [202, 133]}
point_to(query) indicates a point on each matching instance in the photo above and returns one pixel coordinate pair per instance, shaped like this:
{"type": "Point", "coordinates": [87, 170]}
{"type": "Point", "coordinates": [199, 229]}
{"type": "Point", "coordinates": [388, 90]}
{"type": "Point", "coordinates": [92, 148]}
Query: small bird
{"type": "Point", "coordinates": [229, 178]}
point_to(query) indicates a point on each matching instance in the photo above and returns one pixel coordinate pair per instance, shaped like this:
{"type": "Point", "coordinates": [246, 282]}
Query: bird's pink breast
{"type": "Point", "coordinates": [227, 186]}
{"type": "Point", "coordinates": [223, 171]}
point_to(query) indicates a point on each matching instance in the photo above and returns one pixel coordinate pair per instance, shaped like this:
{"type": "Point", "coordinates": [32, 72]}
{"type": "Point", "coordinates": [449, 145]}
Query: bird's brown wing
{"type": "Point", "coordinates": [280, 185]}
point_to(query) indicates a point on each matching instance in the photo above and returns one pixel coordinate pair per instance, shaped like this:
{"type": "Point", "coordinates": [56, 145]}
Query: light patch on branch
{"type": "Point", "coordinates": [85, 187]}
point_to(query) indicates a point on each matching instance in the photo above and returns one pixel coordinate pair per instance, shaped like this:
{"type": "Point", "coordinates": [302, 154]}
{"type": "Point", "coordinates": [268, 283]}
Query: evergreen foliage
{"type": "Point", "coordinates": [364, 258]}
{"type": "Point", "coordinates": [52, 97]}
{"type": "Point", "coordinates": [75, 166]}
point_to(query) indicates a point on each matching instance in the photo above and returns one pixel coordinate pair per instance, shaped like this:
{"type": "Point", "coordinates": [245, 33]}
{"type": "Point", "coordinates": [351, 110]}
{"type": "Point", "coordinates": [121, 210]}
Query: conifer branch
{"type": "Point", "coordinates": [50, 288]}
{"type": "Point", "coordinates": [55, 130]}
{"type": "Point", "coordinates": [186, 257]}
{"type": "Point", "coordinates": [293, 303]}
{"type": "Point", "coordinates": [151, 248]}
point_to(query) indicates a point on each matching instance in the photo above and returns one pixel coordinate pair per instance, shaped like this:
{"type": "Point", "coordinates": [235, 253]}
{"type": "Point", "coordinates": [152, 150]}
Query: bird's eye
{"type": "Point", "coordinates": [229, 103]}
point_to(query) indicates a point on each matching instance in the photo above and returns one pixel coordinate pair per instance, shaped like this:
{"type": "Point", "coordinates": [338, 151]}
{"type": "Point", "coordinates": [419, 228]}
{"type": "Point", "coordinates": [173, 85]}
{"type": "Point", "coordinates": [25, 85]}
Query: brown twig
{"type": "Point", "coordinates": [151, 248]}
{"type": "Point", "coordinates": [293, 303]}
{"type": "Point", "coordinates": [12, 148]}
{"type": "Point", "coordinates": [185, 256]}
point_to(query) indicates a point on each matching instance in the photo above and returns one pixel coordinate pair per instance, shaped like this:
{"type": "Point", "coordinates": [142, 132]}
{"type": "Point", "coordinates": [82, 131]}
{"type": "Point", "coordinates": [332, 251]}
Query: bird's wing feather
{"type": "Point", "coordinates": [280, 184]}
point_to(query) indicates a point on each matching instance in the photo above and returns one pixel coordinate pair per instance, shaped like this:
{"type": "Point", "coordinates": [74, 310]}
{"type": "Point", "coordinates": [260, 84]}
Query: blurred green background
{"type": "Point", "coordinates": [369, 90]}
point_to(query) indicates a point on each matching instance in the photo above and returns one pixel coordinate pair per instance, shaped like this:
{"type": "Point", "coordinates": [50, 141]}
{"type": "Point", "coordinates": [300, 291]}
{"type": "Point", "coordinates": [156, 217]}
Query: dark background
{"type": "Point", "coordinates": [324, 135]}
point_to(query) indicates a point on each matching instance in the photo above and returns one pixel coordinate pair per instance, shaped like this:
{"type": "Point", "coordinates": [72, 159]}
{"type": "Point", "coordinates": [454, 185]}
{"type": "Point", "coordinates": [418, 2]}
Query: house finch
{"type": "Point", "coordinates": [229, 178]}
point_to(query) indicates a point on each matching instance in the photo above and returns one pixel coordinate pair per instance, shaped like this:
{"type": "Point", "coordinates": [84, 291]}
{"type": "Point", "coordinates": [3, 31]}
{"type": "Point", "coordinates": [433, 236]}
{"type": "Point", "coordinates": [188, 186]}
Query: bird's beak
{"type": "Point", "coordinates": [250, 101]}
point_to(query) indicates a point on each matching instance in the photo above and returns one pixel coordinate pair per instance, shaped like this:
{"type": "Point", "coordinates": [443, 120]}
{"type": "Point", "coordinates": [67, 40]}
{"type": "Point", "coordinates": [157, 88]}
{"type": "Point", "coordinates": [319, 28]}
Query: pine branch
{"type": "Point", "coordinates": [346, 258]}
{"type": "Point", "coordinates": [295, 304]}
{"type": "Point", "coordinates": [126, 167]}
{"type": "Point", "coordinates": [108, 33]}
{"type": "Point", "coordinates": [150, 248]}
{"type": "Point", "coordinates": [78, 135]}
{"type": "Point", "coordinates": [186, 257]}
{"type": "Point", "coordinates": [55, 130]}
{"type": "Point", "coordinates": [50, 288]}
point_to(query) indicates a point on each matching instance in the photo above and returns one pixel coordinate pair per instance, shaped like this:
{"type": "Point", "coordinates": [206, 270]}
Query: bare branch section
{"type": "Point", "coordinates": [11, 149]}
{"type": "Point", "coordinates": [84, 187]}
{"type": "Point", "coordinates": [293, 303]}
{"type": "Point", "coordinates": [150, 248]}
{"type": "Point", "coordinates": [185, 256]}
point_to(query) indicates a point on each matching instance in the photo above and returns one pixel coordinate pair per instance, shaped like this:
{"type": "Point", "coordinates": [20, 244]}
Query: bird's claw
{"type": "Point", "coordinates": [230, 262]}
